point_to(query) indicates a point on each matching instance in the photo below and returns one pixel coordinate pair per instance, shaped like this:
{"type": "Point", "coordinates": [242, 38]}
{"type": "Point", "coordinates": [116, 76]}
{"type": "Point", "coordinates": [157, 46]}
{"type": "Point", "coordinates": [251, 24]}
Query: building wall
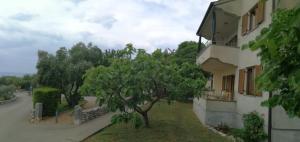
{"type": "Point", "coordinates": [287, 3]}
{"type": "Point", "coordinates": [285, 128]}
{"type": "Point", "coordinates": [214, 113]}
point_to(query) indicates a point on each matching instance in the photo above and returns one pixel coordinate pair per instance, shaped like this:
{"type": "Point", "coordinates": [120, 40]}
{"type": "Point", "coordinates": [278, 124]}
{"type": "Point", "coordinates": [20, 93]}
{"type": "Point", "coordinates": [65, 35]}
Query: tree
{"type": "Point", "coordinates": [192, 82]}
{"type": "Point", "coordinates": [187, 52]}
{"type": "Point", "coordinates": [7, 91]}
{"type": "Point", "coordinates": [185, 57]}
{"type": "Point", "coordinates": [134, 85]}
{"type": "Point", "coordinates": [27, 82]}
{"type": "Point", "coordinates": [279, 51]}
{"type": "Point", "coordinates": [10, 80]}
{"type": "Point", "coordinates": [65, 69]}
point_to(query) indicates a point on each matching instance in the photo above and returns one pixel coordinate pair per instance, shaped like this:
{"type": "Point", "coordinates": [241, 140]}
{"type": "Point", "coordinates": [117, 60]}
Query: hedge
{"type": "Point", "coordinates": [48, 97]}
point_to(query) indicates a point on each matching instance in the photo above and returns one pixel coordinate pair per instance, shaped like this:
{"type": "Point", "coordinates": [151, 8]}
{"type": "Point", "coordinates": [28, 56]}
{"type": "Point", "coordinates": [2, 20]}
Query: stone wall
{"type": "Point", "coordinates": [82, 116]}
{"type": "Point", "coordinates": [14, 98]}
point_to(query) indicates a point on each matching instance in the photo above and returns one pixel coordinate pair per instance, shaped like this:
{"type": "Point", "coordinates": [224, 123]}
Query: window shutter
{"type": "Point", "coordinates": [245, 24]}
{"type": "Point", "coordinates": [260, 13]}
{"type": "Point", "coordinates": [258, 69]}
{"type": "Point", "coordinates": [241, 81]}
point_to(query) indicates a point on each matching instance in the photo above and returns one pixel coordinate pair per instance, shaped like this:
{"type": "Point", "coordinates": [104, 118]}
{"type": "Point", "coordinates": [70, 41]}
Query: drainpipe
{"type": "Point", "coordinates": [270, 120]}
{"type": "Point", "coordinates": [273, 5]}
{"type": "Point", "coordinates": [200, 43]}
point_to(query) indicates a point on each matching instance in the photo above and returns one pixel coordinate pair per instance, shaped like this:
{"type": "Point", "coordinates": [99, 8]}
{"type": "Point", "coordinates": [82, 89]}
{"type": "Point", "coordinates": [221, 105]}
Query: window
{"type": "Point", "coordinates": [228, 83]}
{"type": "Point", "coordinates": [253, 18]}
{"type": "Point", "coordinates": [250, 81]}
{"type": "Point", "coordinates": [249, 74]}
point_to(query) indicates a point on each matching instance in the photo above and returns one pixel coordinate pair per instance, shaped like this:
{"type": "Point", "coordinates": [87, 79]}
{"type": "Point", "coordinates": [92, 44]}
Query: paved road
{"type": "Point", "coordinates": [16, 127]}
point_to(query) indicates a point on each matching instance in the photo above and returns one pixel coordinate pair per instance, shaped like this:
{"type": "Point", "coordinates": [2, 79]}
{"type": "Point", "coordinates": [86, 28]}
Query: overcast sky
{"type": "Point", "coordinates": [27, 26]}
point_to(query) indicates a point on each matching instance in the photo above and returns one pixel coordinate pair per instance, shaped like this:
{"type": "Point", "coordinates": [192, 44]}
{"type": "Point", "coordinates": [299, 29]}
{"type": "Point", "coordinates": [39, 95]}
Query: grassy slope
{"type": "Point", "coordinates": [169, 123]}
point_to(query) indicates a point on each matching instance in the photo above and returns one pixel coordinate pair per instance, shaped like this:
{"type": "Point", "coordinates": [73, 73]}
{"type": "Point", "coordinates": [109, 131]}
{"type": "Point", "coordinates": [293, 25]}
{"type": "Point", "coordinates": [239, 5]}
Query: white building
{"type": "Point", "coordinates": [227, 25]}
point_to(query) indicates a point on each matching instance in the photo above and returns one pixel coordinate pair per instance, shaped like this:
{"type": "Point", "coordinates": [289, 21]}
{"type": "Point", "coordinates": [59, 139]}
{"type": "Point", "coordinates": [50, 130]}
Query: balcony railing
{"type": "Point", "coordinates": [212, 95]}
{"type": "Point", "coordinates": [208, 44]}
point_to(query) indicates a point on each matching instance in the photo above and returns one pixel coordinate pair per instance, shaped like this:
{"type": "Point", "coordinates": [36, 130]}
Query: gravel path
{"type": "Point", "coordinates": [16, 127]}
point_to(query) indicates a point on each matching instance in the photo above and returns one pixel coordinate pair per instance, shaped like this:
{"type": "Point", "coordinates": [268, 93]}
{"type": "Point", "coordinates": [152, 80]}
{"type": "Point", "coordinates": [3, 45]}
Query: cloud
{"type": "Point", "coordinates": [23, 17]}
{"type": "Point", "coordinates": [32, 25]}
{"type": "Point", "coordinates": [105, 21]}
{"type": "Point", "coordinates": [77, 1]}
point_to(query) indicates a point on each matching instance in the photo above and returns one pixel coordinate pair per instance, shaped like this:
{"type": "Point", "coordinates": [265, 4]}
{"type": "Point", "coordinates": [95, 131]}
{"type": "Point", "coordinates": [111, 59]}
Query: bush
{"type": "Point", "coordinates": [48, 97]}
{"type": "Point", "coordinates": [253, 130]}
{"type": "Point", "coordinates": [7, 91]}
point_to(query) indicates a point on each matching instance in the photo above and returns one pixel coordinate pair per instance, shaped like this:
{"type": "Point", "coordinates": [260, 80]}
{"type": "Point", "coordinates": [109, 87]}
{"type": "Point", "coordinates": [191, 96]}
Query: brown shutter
{"type": "Point", "coordinates": [245, 24]}
{"type": "Point", "coordinates": [260, 13]}
{"type": "Point", "coordinates": [258, 69]}
{"type": "Point", "coordinates": [241, 81]}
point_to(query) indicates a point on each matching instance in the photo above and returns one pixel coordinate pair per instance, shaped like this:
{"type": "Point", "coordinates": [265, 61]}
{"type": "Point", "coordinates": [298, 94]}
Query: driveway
{"type": "Point", "coordinates": [15, 125]}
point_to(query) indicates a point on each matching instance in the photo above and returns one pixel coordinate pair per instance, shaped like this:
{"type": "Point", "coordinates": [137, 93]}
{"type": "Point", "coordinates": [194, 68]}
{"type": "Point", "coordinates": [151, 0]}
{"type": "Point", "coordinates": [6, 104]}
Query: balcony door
{"type": "Point", "coordinates": [228, 84]}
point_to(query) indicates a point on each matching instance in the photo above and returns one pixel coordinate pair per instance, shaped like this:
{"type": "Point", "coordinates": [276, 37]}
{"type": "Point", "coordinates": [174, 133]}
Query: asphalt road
{"type": "Point", "coordinates": [15, 125]}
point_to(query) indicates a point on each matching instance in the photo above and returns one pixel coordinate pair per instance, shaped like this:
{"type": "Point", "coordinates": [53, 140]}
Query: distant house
{"type": "Point", "coordinates": [227, 25]}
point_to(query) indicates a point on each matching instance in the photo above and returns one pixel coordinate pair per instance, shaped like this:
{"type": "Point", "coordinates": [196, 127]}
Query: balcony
{"type": "Point", "coordinates": [218, 56]}
{"type": "Point", "coordinates": [213, 110]}
{"type": "Point", "coordinates": [212, 95]}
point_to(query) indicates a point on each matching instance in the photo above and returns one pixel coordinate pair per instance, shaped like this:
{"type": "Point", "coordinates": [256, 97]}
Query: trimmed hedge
{"type": "Point", "coordinates": [49, 97]}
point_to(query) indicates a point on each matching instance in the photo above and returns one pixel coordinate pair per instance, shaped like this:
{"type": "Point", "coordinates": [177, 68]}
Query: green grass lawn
{"type": "Point", "coordinates": [169, 123]}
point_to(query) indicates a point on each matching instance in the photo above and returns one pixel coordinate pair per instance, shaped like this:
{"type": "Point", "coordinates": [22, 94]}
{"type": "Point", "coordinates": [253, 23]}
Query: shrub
{"type": "Point", "coordinates": [48, 97]}
{"type": "Point", "coordinates": [253, 130]}
{"type": "Point", "coordinates": [7, 91]}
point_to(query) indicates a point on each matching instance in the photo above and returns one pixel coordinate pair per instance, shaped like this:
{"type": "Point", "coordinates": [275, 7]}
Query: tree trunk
{"type": "Point", "coordinates": [146, 119]}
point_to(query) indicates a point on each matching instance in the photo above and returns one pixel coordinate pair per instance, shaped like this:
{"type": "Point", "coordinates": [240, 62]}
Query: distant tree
{"type": "Point", "coordinates": [11, 80]}
{"type": "Point", "coordinates": [187, 52]}
{"type": "Point", "coordinates": [65, 69]}
{"type": "Point", "coordinates": [27, 82]}
{"type": "Point", "coordinates": [6, 91]}
{"type": "Point", "coordinates": [134, 84]}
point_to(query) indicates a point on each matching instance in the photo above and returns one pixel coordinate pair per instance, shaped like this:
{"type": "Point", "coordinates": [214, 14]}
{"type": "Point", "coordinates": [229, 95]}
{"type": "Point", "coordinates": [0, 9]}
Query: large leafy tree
{"type": "Point", "coordinates": [65, 69]}
{"type": "Point", "coordinates": [187, 52]}
{"type": "Point", "coordinates": [134, 85]}
{"type": "Point", "coordinates": [185, 57]}
{"type": "Point", "coordinates": [279, 51]}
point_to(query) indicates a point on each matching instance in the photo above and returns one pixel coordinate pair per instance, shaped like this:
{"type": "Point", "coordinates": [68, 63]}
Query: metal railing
{"type": "Point", "coordinates": [212, 95]}
{"type": "Point", "coordinates": [208, 44]}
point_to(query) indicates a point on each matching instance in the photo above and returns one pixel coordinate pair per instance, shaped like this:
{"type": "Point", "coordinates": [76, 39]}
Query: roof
{"type": "Point", "coordinates": [205, 17]}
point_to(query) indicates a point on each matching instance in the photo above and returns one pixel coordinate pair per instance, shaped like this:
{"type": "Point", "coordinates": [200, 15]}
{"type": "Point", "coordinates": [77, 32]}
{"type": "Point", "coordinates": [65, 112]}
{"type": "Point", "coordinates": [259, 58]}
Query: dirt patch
{"type": "Point", "coordinates": [90, 102]}
{"type": "Point", "coordinates": [63, 118]}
